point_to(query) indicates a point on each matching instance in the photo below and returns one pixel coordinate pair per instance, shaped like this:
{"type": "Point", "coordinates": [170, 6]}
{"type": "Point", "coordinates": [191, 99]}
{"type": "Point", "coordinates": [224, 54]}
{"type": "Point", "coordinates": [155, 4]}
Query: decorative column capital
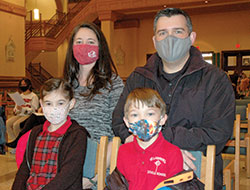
{"type": "Point", "coordinates": [107, 15]}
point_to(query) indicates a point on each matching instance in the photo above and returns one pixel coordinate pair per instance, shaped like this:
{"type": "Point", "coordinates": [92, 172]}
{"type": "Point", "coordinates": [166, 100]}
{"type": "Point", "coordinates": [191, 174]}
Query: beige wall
{"type": "Point", "coordinates": [49, 61]}
{"type": "Point", "coordinates": [53, 62]}
{"type": "Point", "coordinates": [145, 45]}
{"type": "Point", "coordinates": [12, 27]}
{"type": "Point", "coordinates": [126, 41]}
{"type": "Point", "coordinates": [61, 53]}
{"type": "Point", "coordinates": [223, 31]}
{"type": "Point", "coordinates": [46, 7]}
{"type": "Point", "coordinates": [136, 43]}
{"type": "Point", "coordinates": [215, 32]}
{"type": "Point", "coordinates": [65, 5]}
{"type": "Point", "coordinates": [16, 2]}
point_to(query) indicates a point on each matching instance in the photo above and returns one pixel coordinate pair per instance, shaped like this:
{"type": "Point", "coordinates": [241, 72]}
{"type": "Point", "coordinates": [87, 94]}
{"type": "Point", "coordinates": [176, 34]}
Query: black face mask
{"type": "Point", "coordinates": [24, 88]}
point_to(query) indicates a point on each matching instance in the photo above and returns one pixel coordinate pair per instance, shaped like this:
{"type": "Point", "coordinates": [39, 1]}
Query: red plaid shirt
{"type": "Point", "coordinates": [44, 162]}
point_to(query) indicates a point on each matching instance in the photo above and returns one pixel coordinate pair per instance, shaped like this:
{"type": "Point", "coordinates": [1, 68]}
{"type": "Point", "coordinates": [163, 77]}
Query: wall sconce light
{"type": "Point", "coordinates": [36, 14]}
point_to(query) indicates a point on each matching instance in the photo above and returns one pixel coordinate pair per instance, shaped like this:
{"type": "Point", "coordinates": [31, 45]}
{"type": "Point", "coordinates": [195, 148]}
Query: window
{"type": "Point", "coordinates": [208, 56]}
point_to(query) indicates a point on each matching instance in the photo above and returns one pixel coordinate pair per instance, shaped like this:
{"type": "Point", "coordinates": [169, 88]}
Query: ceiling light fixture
{"type": "Point", "coordinates": [36, 12]}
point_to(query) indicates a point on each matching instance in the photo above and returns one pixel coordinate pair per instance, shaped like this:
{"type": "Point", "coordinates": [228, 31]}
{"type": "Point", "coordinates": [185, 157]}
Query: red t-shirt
{"type": "Point", "coordinates": [145, 169]}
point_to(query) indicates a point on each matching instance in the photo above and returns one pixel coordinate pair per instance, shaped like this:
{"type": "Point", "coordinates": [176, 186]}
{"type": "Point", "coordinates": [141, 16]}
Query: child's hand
{"type": "Point", "coordinates": [188, 160]}
{"type": "Point", "coordinates": [129, 139]}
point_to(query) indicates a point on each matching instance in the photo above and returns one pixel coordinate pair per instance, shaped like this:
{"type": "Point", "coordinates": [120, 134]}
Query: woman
{"type": "Point", "coordinates": [90, 70]}
{"type": "Point", "coordinates": [22, 112]}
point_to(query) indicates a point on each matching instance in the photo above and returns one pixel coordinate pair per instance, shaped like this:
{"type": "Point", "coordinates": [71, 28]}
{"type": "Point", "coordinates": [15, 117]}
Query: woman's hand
{"type": "Point", "coordinates": [129, 139]}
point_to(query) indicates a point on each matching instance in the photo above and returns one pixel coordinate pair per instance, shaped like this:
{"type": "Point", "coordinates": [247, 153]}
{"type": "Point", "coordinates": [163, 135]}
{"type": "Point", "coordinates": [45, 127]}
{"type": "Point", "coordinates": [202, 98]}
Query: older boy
{"type": "Point", "coordinates": [149, 158]}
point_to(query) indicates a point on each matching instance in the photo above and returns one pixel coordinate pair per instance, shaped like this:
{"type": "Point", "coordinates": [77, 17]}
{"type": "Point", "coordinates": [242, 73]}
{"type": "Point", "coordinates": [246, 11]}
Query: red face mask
{"type": "Point", "coordinates": [85, 53]}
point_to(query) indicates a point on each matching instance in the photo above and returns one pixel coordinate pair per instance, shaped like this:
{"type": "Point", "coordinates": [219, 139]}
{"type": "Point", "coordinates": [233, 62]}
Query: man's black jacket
{"type": "Point", "coordinates": [201, 106]}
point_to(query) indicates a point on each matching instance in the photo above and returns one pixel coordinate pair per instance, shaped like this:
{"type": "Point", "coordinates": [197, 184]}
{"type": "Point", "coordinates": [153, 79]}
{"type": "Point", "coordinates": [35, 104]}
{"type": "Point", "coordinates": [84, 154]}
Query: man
{"type": "Point", "coordinates": [199, 96]}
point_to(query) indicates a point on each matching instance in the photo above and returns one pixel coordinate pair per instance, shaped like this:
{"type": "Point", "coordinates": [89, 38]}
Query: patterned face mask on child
{"type": "Point", "coordinates": [86, 54]}
{"type": "Point", "coordinates": [56, 115]}
{"type": "Point", "coordinates": [145, 129]}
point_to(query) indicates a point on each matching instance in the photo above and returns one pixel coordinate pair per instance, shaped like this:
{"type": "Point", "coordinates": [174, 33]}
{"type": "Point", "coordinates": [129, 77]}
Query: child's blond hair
{"type": "Point", "coordinates": [146, 96]}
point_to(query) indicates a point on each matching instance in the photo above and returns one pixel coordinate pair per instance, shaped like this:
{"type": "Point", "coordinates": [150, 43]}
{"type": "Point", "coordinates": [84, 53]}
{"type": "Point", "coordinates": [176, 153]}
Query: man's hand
{"type": "Point", "coordinates": [188, 160]}
{"type": "Point", "coordinates": [129, 139]}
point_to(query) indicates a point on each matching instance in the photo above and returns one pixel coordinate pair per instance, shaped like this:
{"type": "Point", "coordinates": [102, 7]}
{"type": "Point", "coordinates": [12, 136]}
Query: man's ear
{"type": "Point", "coordinates": [153, 38]}
{"type": "Point", "coordinates": [72, 103]}
{"type": "Point", "coordinates": [193, 37]}
{"type": "Point", "coordinates": [163, 119]}
{"type": "Point", "coordinates": [126, 121]}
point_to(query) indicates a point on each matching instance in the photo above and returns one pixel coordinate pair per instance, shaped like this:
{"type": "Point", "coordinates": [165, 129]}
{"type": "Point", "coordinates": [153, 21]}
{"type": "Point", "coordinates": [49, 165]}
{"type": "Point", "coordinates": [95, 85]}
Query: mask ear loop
{"type": "Point", "coordinates": [159, 127]}
{"type": "Point", "coordinates": [70, 103]}
{"type": "Point", "coordinates": [158, 123]}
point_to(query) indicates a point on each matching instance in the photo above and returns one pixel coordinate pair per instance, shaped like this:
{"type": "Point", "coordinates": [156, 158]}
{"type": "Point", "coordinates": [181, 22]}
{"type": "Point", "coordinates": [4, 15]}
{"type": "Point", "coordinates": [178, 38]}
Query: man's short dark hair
{"type": "Point", "coordinates": [168, 12]}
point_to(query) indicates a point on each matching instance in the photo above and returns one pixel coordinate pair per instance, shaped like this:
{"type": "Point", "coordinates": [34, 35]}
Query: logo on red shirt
{"type": "Point", "coordinates": [158, 161]}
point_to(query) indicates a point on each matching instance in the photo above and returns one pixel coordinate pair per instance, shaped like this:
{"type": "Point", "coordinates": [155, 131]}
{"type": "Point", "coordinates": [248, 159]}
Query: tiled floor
{"type": "Point", "coordinates": [8, 170]}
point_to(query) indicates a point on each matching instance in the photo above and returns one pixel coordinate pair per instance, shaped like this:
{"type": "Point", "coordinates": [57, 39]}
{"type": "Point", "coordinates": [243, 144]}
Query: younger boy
{"type": "Point", "coordinates": [149, 158]}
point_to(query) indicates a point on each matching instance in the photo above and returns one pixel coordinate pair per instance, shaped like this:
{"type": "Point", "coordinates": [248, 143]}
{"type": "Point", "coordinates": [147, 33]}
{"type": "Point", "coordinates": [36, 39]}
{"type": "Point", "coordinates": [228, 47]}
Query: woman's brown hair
{"type": "Point", "coordinates": [101, 73]}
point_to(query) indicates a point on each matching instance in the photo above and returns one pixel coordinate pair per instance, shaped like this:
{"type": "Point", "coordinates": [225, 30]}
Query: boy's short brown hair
{"type": "Point", "coordinates": [56, 84]}
{"type": "Point", "coordinates": [146, 96]}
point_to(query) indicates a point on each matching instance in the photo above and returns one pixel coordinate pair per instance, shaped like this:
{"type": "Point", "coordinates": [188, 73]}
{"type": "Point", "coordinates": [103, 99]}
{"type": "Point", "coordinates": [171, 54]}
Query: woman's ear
{"type": "Point", "coordinates": [163, 119]}
{"type": "Point", "coordinates": [41, 103]}
{"type": "Point", "coordinates": [72, 103]}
